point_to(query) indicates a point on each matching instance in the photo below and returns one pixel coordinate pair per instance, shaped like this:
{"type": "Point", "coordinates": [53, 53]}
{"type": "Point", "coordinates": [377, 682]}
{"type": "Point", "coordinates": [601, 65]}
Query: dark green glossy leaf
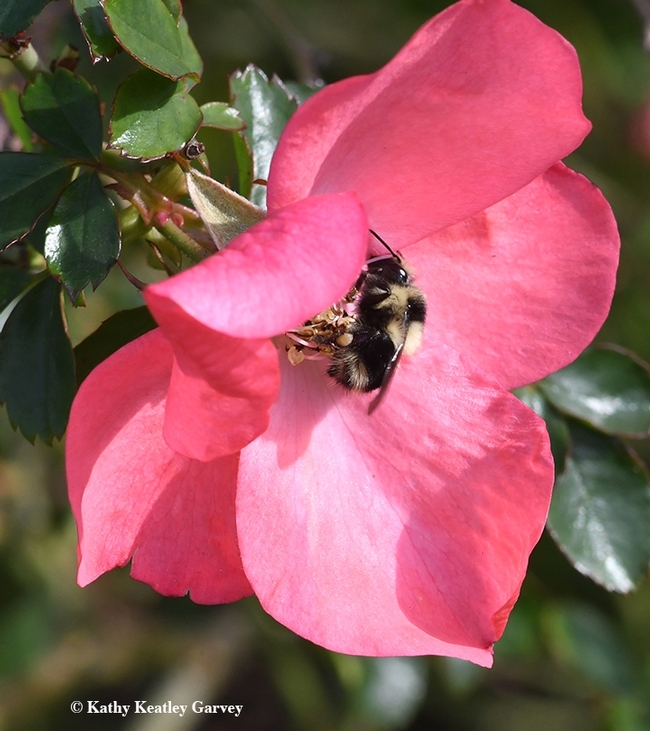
{"type": "Point", "coordinates": [99, 37]}
{"type": "Point", "coordinates": [12, 283]}
{"type": "Point", "coordinates": [222, 116]}
{"type": "Point", "coordinates": [152, 34]}
{"type": "Point", "coordinates": [63, 109]}
{"type": "Point", "coordinates": [600, 512]}
{"type": "Point", "coordinates": [244, 167]}
{"type": "Point", "coordinates": [82, 241]}
{"type": "Point", "coordinates": [14, 115]}
{"type": "Point", "coordinates": [558, 429]}
{"type": "Point", "coordinates": [16, 15]}
{"type": "Point", "coordinates": [29, 184]}
{"type": "Point", "coordinates": [153, 116]}
{"type": "Point", "coordinates": [36, 364]}
{"type": "Point", "coordinates": [608, 388]}
{"type": "Point", "coordinates": [36, 237]}
{"type": "Point", "coordinates": [265, 106]}
{"type": "Point", "coordinates": [302, 92]}
{"type": "Point", "coordinates": [111, 335]}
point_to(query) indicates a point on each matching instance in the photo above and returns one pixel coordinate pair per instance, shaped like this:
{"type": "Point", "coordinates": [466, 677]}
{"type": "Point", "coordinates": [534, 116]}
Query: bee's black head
{"type": "Point", "coordinates": [389, 270]}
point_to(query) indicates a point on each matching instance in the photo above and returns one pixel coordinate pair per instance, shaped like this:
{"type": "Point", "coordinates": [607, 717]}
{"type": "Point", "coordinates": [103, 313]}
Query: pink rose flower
{"type": "Point", "coordinates": [201, 454]}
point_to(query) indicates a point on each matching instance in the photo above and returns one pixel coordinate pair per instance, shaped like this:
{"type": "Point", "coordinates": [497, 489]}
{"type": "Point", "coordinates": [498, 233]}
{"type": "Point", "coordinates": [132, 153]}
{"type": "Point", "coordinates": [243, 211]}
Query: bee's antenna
{"type": "Point", "coordinates": [381, 241]}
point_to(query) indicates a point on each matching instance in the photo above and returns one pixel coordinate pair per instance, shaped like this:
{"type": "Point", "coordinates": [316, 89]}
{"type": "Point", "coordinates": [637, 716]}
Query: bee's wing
{"type": "Point", "coordinates": [388, 377]}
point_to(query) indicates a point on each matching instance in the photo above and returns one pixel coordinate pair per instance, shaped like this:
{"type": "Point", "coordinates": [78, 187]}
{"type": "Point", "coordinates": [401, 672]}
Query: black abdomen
{"type": "Point", "coordinates": [362, 365]}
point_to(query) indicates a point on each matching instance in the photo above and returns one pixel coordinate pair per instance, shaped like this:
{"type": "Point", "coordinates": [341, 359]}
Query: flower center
{"type": "Point", "coordinates": [325, 333]}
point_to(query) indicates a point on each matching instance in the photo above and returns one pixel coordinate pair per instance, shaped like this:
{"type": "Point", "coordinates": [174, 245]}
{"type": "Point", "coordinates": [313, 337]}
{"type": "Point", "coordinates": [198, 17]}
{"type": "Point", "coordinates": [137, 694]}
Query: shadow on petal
{"type": "Point", "coordinates": [306, 395]}
{"type": "Point", "coordinates": [187, 541]}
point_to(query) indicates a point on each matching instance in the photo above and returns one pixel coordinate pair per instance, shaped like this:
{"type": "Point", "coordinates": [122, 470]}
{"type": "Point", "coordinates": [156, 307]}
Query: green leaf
{"type": "Point", "coordinates": [99, 37]}
{"type": "Point", "coordinates": [82, 241]}
{"type": "Point", "coordinates": [154, 36]}
{"type": "Point", "coordinates": [14, 115]}
{"type": "Point", "coordinates": [174, 7]}
{"type": "Point", "coordinates": [266, 107]}
{"type": "Point", "coordinates": [190, 54]}
{"type": "Point", "coordinates": [153, 116]}
{"type": "Point", "coordinates": [36, 364]}
{"type": "Point", "coordinates": [63, 109]}
{"type": "Point", "coordinates": [16, 15]}
{"type": "Point", "coordinates": [600, 512]}
{"type": "Point", "coordinates": [29, 185]}
{"type": "Point", "coordinates": [558, 429]}
{"type": "Point", "coordinates": [36, 237]}
{"type": "Point", "coordinates": [610, 389]}
{"type": "Point", "coordinates": [244, 168]}
{"type": "Point", "coordinates": [221, 116]}
{"type": "Point", "coordinates": [111, 335]}
{"type": "Point", "coordinates": [12, 283]}
{"type": "Point", "coordinates": [301, 92]}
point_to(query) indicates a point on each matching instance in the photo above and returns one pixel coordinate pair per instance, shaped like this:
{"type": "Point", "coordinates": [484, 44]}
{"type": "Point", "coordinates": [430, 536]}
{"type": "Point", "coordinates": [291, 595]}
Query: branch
{"type": "Point", "coordinates": [24, 58]}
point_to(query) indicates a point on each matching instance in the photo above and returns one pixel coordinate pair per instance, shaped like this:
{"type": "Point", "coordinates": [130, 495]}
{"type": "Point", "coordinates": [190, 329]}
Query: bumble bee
{"type": "Point", "coordinates": [366, 333]}
{"type": "Point", "coordinates": [388, 321]}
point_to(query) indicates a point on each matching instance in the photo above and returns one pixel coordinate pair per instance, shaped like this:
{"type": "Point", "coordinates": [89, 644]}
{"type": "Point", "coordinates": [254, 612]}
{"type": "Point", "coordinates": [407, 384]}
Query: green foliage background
{"type": "Point", "coordinates": [573, 656]}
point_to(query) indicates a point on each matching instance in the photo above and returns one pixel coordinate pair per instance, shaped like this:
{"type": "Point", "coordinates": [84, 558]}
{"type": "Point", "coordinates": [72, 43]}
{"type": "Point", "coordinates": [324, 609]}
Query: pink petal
{"type": "Point", "coordinates": [406, 532]}
{"type": "Point", "coordinates": [219, 316]}
{"type": "Point", "coordinates": [292, 265]}
{"type": "Point", "coordinates": [133, 497]}
{"type": "Point", "coordinates": [523, 287]}
{"type": "Point", "coordinates": [310, 135]}
{"type": "Point", "coordinates": [220, 392]}
{"type": "Point", "coordinates": [481, 101]}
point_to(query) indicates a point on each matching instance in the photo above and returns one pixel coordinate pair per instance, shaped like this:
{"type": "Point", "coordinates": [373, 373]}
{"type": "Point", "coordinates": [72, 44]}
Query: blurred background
{"type": "Point", "coordinates": [573, 656]}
